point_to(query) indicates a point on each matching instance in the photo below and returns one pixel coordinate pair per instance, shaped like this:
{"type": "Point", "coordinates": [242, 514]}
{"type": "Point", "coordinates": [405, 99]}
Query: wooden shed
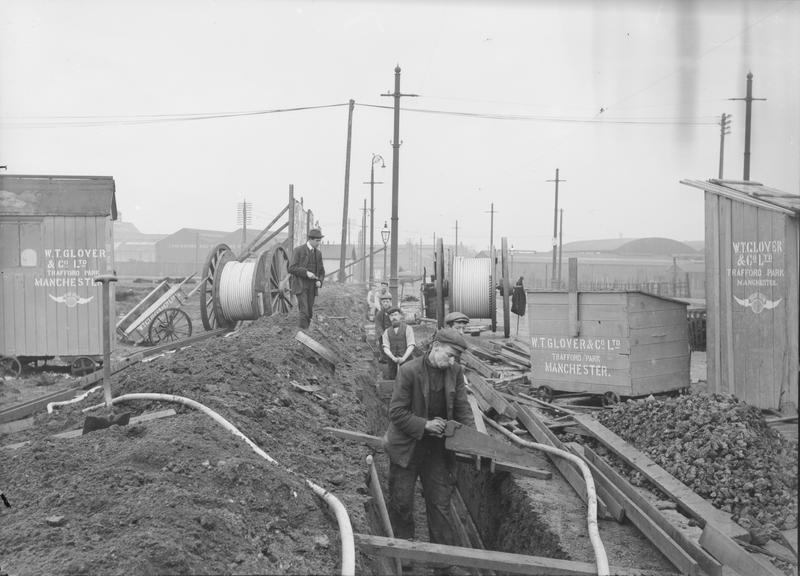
{"type": "Point", "coordinates": [56, 236]}
{"type": "Point", "coordinates": [752, 291]}
{"type": "Point", "coordinates": [613, 343]}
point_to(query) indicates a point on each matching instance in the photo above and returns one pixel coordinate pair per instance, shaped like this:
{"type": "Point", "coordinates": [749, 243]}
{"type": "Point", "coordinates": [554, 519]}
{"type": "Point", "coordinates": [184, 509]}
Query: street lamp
{"type": "Point", "coordinates": [375, 159]}
{"type": "Point", "coordinates": [385, 233]}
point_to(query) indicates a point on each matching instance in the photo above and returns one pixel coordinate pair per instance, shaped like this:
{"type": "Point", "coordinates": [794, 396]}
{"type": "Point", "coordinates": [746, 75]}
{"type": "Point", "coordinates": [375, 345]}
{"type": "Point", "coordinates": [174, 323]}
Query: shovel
{"type": "Point", "coordinates": [93, 423]}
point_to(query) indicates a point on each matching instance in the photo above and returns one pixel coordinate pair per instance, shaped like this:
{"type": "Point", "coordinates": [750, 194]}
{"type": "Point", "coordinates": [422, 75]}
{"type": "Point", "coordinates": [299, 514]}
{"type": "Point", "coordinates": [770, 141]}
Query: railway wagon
{"type": "Point", "coordinates": [618, 344]}
{"type": "Point", "coordinates": [56, 237]}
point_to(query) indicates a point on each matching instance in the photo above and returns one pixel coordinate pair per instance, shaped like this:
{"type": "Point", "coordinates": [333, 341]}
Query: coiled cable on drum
{"type": "Point", "coordinates": [236, 291]}
{"type": "Point", "coordinates": [470, 289]}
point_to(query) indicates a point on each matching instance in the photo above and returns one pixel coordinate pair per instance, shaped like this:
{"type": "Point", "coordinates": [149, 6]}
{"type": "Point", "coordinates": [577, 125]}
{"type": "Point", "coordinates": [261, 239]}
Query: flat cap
{"type": "Point", "coordinates": [394, 309]}
{"type": "Point", "coordinates": [456, 317]}
{"type": "Point", "coordinates": [452, 338]}
{"type": "Point", "coordinates": [315, 233]}
{"type": "Point", "coordinates": [386, 296]}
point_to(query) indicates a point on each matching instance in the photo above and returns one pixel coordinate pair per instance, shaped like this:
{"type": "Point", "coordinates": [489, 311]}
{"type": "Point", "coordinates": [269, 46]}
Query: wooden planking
{"type": "Point", "coordinates": [659, 334]}
{"type": "Point", "coordinates": [481, 386]}
{"type": "Point", "coordinates": [661, 367]}
{"type": "Point", "coordinates": [661, 383]}
{"type": "Point", "coordinates": [685, 497]}
{"type": "Point", "coordinates": [312, 344]}
{"type": "Point", "coordinates": [628, 494]}
{"type": "Point", "coordinates": [477, 414]}
{"type": "Point", "coordinates": [646, 352]}
{"type": "Point", "coordinates": [568, 470]}
{"type": "Point", "coordinates": [728, 552]}
{"type": "Point", "coordinates": [369, 440]}
{"type": "Point", "coordinates": [712, 280]}
{"type": "Point", "coordinates": [791, 366]}
{"type": "Point", "coordinates": [481, 559]}
{"type": "Point", "coordinates": [652, 318]}
{"type": "Point", "coordinates": [620, 385]}
{"type": "Point", "coordinates": [561, 342]}
{"type": "Point", "coordinates": [640, 302]}
{"type": "Point", "coordinates": [727, 372]}
{"type": "Point", "coordinates": [589, 328]}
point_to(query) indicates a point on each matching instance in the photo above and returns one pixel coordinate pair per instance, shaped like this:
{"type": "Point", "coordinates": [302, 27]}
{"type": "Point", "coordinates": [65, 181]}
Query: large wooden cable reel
{"type": "Point", "coordinates": [506, 283]}
{"type": "Point", "coordinates": [473, 288]}
{"type": "Point", "coordinates": [236, 290]}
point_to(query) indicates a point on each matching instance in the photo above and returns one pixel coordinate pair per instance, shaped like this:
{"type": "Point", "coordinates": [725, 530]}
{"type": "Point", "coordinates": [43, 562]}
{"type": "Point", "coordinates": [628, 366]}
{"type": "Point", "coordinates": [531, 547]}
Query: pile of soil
{"type": "Point", "coordinates": [720, 447]}
{"type": "Point", "coordinates": [183, 495]}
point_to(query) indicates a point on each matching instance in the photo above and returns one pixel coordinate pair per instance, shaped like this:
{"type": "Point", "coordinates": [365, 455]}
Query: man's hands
{"type": "Point", "coordinates": [311, 275]}
{"type": "Point", "coordinates": [435, 427]}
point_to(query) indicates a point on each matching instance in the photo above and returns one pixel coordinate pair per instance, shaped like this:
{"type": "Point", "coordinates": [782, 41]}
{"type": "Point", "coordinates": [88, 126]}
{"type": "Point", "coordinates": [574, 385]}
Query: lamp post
{"type": "Point", "coordinates": [385, 233]}
{"type": "Point", "coordinates": [375, 159]}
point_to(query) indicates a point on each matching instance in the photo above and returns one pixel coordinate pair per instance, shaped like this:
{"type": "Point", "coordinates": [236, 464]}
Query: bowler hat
{"type": "Point", "coordinates": [315, 233]}
{"type": "Point", "coordinates": [452, 338]}
{"type": "Point", "coordinates": [394, 309]}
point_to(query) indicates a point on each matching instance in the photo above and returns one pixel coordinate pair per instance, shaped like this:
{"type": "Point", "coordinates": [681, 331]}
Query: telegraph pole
{"type": "Point", "coordinates": [375, 158]}
{"type": "Point", "coordinates": [724, 128]}
{"type": "Point", "coordinates": [560, 239]}
{"type": "Point", "coordinates": [364, 242]}
{"type": "Point", "coordinates": [342, 252]}
{"type": "Point", "coordinates": [455, 253]}
{"type": "Point", "coordinates": [554, 277]}
{"type": "Point", "coordinates": [395, 177]}
{"type": "Point", "coordinates": [748, 113]}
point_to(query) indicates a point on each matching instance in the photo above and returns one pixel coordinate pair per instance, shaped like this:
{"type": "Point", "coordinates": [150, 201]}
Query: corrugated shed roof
{"type": "Point", "coordinates": [753, 193]}
{"type": "Point", "coordinates": [33, 195]}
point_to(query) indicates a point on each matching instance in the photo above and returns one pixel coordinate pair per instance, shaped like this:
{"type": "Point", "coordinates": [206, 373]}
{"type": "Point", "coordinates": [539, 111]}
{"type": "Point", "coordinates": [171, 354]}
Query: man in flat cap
{"type": "Point", "coordinates": [428, 392]}
{"type": "Point", "coordinates": [306, 275]}
{"type": "Point", "coordinates": [397, 343]}
{"type": "Point", "coordinates": [456, 320]}
{"type": "Point", "coordinates": [382, 322]}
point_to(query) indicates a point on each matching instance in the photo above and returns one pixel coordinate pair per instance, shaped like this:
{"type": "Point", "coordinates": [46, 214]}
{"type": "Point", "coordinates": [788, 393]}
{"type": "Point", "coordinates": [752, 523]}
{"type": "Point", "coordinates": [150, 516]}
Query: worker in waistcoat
{"type": "Point", "coordinates": [397, 343]}
{"type": "Point", "coordinates": [382, 322]}
{"type": "Point", "coordinates": [306, 275]}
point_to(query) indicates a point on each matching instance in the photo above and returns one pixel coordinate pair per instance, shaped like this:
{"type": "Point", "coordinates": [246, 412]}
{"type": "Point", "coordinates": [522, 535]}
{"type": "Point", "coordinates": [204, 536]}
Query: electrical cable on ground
{"type": "Point", "coordinates": [591, 496]}
{"type": "Point", "coordinates": [345, 527]}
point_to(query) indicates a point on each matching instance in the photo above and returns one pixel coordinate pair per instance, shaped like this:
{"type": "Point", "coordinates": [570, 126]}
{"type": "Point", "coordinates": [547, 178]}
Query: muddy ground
{"type": "Point", "coordinates": [180, 495]}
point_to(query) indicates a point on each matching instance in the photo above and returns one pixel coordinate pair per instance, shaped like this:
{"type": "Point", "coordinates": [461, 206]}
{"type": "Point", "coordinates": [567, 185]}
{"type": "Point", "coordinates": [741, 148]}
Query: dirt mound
{"type": "Point", "coordinates": [722, 449]}
{"type": "Point", "coordinates": [181, 494]}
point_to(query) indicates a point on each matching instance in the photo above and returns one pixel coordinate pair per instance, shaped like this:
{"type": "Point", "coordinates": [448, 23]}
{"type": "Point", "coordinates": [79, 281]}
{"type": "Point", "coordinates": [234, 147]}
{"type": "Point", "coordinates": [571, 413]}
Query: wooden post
{"type": "Point", "coordinates": [291, 218]}
{"type": "Point", "coordinates": [572, 298]}
{"type": "Point", "coordinates": [106, 280]}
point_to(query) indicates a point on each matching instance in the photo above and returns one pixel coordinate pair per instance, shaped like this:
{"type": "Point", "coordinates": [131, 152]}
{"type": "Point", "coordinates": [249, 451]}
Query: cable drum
{"type": "Point", "coordinates": [471, 288]}
{"type": "Point", "coordinates": [241, 289]}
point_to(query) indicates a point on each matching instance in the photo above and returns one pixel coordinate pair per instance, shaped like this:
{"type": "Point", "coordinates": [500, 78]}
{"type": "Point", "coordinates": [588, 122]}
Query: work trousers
{"type": "Point", "coordinates": [305, 305]}
{"type": "Point", "coordinates": [430, 465]}
{"type": "Point", "coordinates": [390, 370]}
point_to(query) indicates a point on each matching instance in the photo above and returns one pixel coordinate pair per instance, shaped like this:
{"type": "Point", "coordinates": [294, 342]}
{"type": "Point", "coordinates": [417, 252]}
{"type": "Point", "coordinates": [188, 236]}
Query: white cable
{"type": "Point", "coordinates": [52, 405]}
{"type": "Point", "coordinates": [345, 527]}
{"type": "Point", "coordinates": [471, 286]}
{"type": "Point", "coordinates": [591, 496]}
{"type": "Point", "coordinates": [236, 291]}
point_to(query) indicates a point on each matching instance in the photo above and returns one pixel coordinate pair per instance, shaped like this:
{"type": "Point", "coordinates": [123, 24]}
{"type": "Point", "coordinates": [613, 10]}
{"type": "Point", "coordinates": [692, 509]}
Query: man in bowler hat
{"type": "Point", "coordinates": [306, 275]}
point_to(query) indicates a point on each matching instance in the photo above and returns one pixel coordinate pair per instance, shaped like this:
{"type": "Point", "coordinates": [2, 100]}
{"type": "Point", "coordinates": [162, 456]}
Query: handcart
{"type": "Point", "coordinates": [158, 317]}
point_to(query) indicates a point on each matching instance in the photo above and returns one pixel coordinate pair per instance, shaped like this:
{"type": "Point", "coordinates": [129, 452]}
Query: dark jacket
{"type": "Point", "coordinates": [302, 262]}
{"type": "Point", "coordinates": [408, 408]}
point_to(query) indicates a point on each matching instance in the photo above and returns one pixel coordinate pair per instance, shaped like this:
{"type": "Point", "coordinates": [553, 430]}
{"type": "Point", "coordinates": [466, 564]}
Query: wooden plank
{"type": "Point", "coordinates": [656, 318]}
{"type": "Point", "coordinates": [660, 350]}
{"type": "Point", "coordinates": [469, 360]}
{"type": "Point", "coordinates": [627, 495]}
{"type": "Point", "coordinates": [308, 341]}
{"type": "Point", "coordinates": [684, 496]}
{"type": "Point", "coordinates": [474, 558]}
{"type": "Point", "coordinates": [790, 539]}
{"type": "Point", "coordinates": [462, 513]}
{"type": "Point", "coordinates": [544, 436]}
{"type": "Point", "coordinates": [477, 382]}
{"type": "Point", "coordinates": [477, 415]}
{"type": "Point", "coordinates": [728, 552]}
{"type": "Point", "coordinates": [16, 426]}
{"type": "Point", "coordinates": [662, 366]}
{"type": "Point", "coordinates": [467, 440]}
{"type": "Point", "coordinates": [372, 441]}
{"type": "Point", "coordinates": [659, 334]}
{"type": "Point", "coordinates": [598, 328]}
{"type": "Point", "coordinates": [610, 499]}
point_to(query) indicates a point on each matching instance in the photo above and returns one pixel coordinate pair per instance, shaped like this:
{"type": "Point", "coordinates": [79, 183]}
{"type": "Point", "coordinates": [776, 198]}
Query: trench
{"type": "Point", "coordinates": [499, 504]}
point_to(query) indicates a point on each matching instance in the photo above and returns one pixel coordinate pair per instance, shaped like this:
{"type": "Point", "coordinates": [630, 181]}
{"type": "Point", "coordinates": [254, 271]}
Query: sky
{"type": "Point", "coordinates": [196, 106]}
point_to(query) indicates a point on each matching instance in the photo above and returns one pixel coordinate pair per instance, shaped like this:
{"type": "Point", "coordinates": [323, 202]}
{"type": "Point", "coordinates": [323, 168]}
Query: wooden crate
{"type": "Point", "coordinates": [628, 343]}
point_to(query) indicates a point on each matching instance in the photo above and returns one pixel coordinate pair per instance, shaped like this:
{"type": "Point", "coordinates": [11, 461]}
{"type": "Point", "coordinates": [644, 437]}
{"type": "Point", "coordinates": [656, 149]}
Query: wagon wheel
{"type": "Point", "coordinates": [82, 366]}
{"type": "Point", "coordinates": [506, 288]}
{"type": "Point", "coordinates": [280, 295]}
{"type": "Point", "coordinates": [10, 366]}
{"type": "Point", "coordinates": [544, 393]}
{"type": "Point", "coordinates": [169, 325]}
{"type": "Point", "coordinates": [439, 272]}
{"type": "Point", "coordinates": [610, 398]}
{"type": "Point", "coordinates": [209, 305]}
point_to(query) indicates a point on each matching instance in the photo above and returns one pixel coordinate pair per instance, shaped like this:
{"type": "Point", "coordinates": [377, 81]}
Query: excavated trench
{"type": "Point", "coordinates": [529, 516]}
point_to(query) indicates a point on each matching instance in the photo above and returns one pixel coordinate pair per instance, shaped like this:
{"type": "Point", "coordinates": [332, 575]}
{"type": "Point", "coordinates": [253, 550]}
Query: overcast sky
{"type": "Point", "coordinates": [623, 97]}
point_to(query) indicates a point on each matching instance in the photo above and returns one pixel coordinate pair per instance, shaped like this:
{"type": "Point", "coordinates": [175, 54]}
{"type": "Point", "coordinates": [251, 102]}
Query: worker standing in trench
{"type": "Point", "coordinates": [429, 391]}
{"type": "Point", "coordinates": [397, 343]}
{"type": "Point", "coordinates": [306, 275]}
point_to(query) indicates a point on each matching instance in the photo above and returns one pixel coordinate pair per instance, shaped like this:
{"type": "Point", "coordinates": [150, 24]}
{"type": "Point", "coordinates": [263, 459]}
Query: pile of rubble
{"type": "Point", "coordinates": [722, 449]}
